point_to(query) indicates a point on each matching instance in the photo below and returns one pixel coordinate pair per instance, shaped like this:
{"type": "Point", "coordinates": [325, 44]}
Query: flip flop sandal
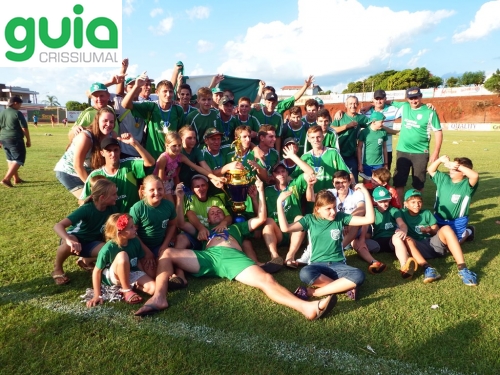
{"type": "Point", "coordinates": [301, 292]}
{"type": "Point", "coordinates": [131, 297]}
{"type": "Point", "coordinates": [290, 263]}
{"type": "Point", "coordinates": [331, 302]}
{"type": "Point", "coordinates": [61, 279]}
{"type": "Point", "coordinates": [175, 283]}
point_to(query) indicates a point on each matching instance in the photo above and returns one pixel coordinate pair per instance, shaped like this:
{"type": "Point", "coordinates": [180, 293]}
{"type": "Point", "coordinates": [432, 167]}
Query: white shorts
{"type": "Point", "coordinates": [111, 278]}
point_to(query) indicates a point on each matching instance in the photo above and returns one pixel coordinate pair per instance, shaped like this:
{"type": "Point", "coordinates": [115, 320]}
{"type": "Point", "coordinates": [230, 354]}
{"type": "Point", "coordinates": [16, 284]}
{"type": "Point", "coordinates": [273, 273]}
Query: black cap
{"type": "Point", "coordinates": [14, 100]}
{"type": "Point", "coordinates": [379, 94]}
{"type": "Point", "coordinates": [226, 100]}
{"type": "Point", "coordinates": [271, 96]}
{"type": "Point", "coordinates": [413, 92]}
{"type": "Point", "coordinates": [109, 141]}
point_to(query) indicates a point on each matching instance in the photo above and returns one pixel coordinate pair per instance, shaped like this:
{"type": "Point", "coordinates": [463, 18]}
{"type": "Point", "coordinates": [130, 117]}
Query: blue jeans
{"type": "Point", "coordinates": [352, 164]}
{"type": "Point", "coordinates": [333, 270]}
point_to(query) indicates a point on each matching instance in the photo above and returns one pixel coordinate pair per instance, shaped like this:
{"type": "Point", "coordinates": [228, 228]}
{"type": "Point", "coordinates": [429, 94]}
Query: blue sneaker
{"type": "Point", "coordinates": [430, 275]}
{"type": "Point", "coordinates": [468, 277]}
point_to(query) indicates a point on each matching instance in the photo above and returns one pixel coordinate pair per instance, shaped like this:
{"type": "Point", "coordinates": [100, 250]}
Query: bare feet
{"type": "Point", "coordinates": [152, 306]}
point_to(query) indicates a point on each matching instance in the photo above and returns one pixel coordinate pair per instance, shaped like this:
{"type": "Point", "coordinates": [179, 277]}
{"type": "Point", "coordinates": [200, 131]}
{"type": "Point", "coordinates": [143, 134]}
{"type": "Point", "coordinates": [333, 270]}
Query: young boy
{"type": "Point", "coordinates": [331, 138]}
{"type": "Point", "coordinates": [381, 177]}
{"type": "Point", "coordinates": [430, 240]}
{"type": "Point", "coordinates": [296, 129]}
{"type": "Point", "coordinates": [389, 231]}
{"type": "Point", "coordinates": [453, 195]}
{"type": "Point", "coordinates": [372, 146]}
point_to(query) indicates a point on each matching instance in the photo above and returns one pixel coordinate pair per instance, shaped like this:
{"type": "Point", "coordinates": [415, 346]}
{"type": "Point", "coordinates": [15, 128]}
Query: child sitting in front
{"type": "Point", "coordinates": [431, 241]}
{"type": "Point", "coordinates": [381, 177]}
{"type": "Point", "coordinates": [119, 262]}
{"type": "Point", "coordinates": [453, 195]}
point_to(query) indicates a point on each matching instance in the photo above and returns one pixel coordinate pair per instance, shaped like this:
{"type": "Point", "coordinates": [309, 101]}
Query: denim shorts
{"type": "Point", "coordinates": [15, 150]}
{"type": "Point", "coordinates": [368, 169]}
{"type": "Point", "coordinates": [70, 182]}
{"type": "Point", "coordinates": [87, 247]}
{"type": "Point", "coordinates": [333, 270]}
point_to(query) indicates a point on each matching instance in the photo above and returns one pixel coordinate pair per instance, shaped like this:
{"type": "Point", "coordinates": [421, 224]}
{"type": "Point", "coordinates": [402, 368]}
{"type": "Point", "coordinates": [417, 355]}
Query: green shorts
{"type": "Point", "coordinates": [222, 262]}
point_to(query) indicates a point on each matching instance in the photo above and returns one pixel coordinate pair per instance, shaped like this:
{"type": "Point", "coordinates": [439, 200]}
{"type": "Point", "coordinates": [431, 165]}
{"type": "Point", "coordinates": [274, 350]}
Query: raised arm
{"type": "Point", "coordinates": [284, 226]}
{"type": "Point", "coordinates": [369, 216]}
{"type": "Point", "coordinates": [288, 153]}
{"type": "Point", "coordinates": [126, 138]}
{"type": "Point", "coordinates": [261, 217]}
{"type": "Point", "coordinates": [308, 82]}
{"type": "Point", "coordinates": [123, 72]}
{"type": "Point", "coordinates": [128, 100]}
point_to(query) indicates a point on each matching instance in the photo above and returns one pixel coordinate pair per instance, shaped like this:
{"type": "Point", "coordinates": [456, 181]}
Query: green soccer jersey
{"type": "Point", "coordinates": [424, 218]}
{"type": "Point", "coordinates": [271, 158]}
{"type": "Point", "coordinates": [300, 135]}
{"type": "Point", "coordinates": [201, 122]}
{"type": "Point", "coordinates": [331, 140]}
{"type": "Point", "coordinates": [373, 145]}
{"type": "Point", "coordinates": [215, 161]}
{"type": "Point", "coordinates": [201, 208]}
{"type": "Point", "coordinates": [87, 222]}
{"type": "Point", "coordinates": [452, 198]}
{"type": "Point", "coordinates": [251, 121]}
{"type": "Point", "coordinates": [125, 180]}
{"type": "Point", "coordinates": [291, 205]}
{"type": "Point", "coordinates": [385, 223]}
{"type": "Point", "coordinates": [274, 119]}
{"type": "Point", "coordinates": [151, 222]}
{"type": "Point", "coordinates": [348, 138]}
{"type": "Point", "coordinates": [158, 123]}
{"type": "Point", "coordinates": [285, 105]}
{"type": "Point", "coordinates": [325, 237]}
{"type": "Point", "coordinates": [110, 250]}
{"type": "Point", "coordinates": [227, 129]}
{"type": "Point", "coordinates": [325, 166]}
{"type": "Point", "coordinates": [416, 127]}
{"type": "Point", "coordinates": [186, 172]}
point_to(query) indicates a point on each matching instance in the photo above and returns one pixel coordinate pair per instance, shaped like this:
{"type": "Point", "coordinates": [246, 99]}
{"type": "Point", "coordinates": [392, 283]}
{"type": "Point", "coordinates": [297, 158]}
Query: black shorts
{"type": "Point", "coordinates": [432, 247]}
{"type": "Point", "coordinates": [418, 165]}
{"type": "Point", "coordinates": [15, 150]}
{"type": "Point", "coordinates": [385, 244]}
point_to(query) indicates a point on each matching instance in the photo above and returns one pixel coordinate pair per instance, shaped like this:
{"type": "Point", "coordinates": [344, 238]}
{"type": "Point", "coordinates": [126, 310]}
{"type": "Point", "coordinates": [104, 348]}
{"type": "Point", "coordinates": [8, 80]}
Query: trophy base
{"type": "Point", "coordinates": [239, 218]}
{"type": "Point", "coordinates": [239, 207]}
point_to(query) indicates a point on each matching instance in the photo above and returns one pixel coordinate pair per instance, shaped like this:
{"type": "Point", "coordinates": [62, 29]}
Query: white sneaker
{"type": "Point", "coordinates": [306, 256]}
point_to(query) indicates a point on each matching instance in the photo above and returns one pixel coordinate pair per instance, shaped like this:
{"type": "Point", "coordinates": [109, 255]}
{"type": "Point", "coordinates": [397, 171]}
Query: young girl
{"type": "Point", "coordinates": [84, 237]}
{"type": "Point", "coordinates": [327, 272]}
{"type": "Point", "coordinates": [119, 262]}
{"type": "Point", "coordinates": [155, 218]}
{"type": "Point", "coordinates": [83, 153]}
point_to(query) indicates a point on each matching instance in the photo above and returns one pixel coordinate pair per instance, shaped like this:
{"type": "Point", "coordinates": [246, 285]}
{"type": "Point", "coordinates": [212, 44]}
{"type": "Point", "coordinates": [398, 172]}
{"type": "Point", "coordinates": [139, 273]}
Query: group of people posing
{"type": "Point", "coordinates": [150, 174]}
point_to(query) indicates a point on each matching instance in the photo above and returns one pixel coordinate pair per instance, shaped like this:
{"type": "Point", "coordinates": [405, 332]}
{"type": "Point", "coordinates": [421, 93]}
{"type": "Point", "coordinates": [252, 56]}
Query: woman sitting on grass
{"type": "Point", "coordinates": [84, 237]}
{"type": "Point", "coordinates": [119, 261]}
{"type": "Point", "coordinates": [327, 272]}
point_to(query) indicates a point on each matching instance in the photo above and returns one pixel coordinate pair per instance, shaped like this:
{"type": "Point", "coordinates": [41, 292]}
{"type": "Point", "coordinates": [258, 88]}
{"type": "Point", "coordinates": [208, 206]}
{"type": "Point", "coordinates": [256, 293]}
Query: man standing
{"type": "Point", "coordinates": [13, 129]}
{"type": "Point", "coordinates": [417, 122]}
{"type": "Point", "coordinates": [347, 129]}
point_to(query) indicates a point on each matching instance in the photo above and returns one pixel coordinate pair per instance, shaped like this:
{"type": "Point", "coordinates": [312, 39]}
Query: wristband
{"type": "Point", "coordinates": [100, 297]}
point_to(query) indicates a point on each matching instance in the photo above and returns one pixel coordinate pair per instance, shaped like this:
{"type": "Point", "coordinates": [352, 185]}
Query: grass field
{"type": "Point", "coordinates": [221, 327]}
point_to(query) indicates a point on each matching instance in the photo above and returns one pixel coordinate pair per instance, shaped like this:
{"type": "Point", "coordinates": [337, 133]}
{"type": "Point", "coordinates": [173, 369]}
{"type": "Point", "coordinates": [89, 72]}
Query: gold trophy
{"type": "Point", "coordinates": [238, 182]}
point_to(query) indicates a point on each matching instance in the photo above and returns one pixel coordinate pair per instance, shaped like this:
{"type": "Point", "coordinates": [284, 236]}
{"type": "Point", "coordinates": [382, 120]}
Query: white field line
{"type": "Point", "coordinates": [334, 359]}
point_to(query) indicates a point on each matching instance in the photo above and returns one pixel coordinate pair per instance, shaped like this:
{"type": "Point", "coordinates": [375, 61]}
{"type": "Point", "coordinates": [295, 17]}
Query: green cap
{"type": "Point", "coordinates": [319, 100]}
{"type": "Point", "coordinates": [97, 87]}
{"type": "Point", "coordinates": [377, 116]}
{"type": "Point", "coordinates": [216, 90]}
{"type": "Point", "coordinates": [129, 80]}
{"type": "Point", "coordinates": [412, 193]}
{"type": "Point", "coordinates": [211, 132]}
{"type": "Point", "coordinates": [381, 194]}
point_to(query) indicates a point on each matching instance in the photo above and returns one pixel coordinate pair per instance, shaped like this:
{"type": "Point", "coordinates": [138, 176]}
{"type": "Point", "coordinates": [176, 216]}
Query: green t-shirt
{"type": "Point", "coordinates": [238, 231]}
{"type": "Point", "coordinates": [11, 124]}
{"type": "Point", "coordinates": [252, 122]}
{"type": "Point", "coordinates": [424, 218]}
{"type": "Point", "coordinates": [291, 205]}
{"type": "Point", "coordinates": [385, 223]}
{"type": "Point", "coordinates": [201, 122]}
{"type": "Point", "coordinates": [152, 221]}
{"type": "Point", "coordinates": [452, 199]}
{"type": "Point", "coordinates": [271, 158]}
{"type": "Point", "coordinates": [285, 105]}
{"type": "Point", "coordinates": [110, 250]}
{"type": "Point", "coordinates": [186, 172]}
{"type": "Point", "coordinates": [331, 140]}
{"type": "Point", "coordinates": [373, 145]}
{"type": "Point", "coordinates": [300, 136]}
{"type": "Point", "coordinates": [227, 128]}
{"type": "Point", "coordinates": [215, 162]}
{"type": "Point", "coordinates": [201, 208]}
{"type": "Point", "coordinates": [325, 237]}
{"type": "Point", "coordinates": [325, 166]}
{"type": "Point", "coordinates": [125, 179]}
{"type": "Point", "coordinates": [87, 222]}
{"type": "Point", "coordinates": [274, 119]}
{"type": "Point", "coordinates": [416, 127]}
{"type": "Point", "coordinates": [158, 122]}
{"type": "Point", "coordinates": [348, 138]}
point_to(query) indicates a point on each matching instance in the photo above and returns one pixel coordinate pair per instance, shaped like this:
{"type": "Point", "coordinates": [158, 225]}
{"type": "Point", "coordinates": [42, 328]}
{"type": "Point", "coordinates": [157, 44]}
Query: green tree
{"type": "Point", "coordinates": [472, 78]}
{"type": "Point", "coordinates": [51, 101]}
{"type": "Point", "coordinates": [452, 82]}
{"type": "Point", "coordinates": [327, 92]}
{"type": "Point", "coordinates": [493, 83]}
{"type": "Point", "coordinates": [75, 106]}
{"type": "Point", "coordinates": [435, 81]}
